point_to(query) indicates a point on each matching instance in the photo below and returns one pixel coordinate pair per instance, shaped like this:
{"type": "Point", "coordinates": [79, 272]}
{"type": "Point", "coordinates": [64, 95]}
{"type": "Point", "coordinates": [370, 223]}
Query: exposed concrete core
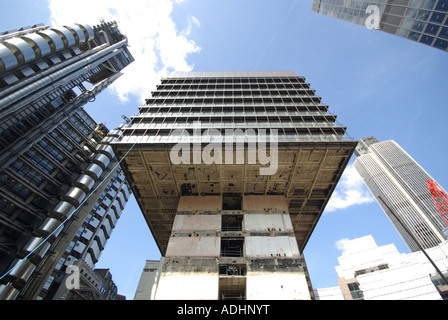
{"type": "Point", "coordinates": [232, 254]}
{"type": "Point", "coordinates": [306, 177]}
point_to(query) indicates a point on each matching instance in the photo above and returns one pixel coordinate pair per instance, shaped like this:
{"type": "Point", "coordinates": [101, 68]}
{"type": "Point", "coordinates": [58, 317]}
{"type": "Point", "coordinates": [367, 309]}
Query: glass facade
{"type": "Point", "coordinates": [423, 21]}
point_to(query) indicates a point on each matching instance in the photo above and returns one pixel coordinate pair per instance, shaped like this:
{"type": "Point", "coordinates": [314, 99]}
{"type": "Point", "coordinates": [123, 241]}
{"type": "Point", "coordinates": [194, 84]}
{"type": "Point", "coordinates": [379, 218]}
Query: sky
{"type": "Point", "coordinates": [376, 83]}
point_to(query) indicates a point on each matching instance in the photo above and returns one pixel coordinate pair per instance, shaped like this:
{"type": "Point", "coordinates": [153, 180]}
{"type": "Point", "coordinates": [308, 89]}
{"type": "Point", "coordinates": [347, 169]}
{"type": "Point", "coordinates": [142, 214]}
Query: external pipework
{"type": "Point", "coordinates": [16, 52]}
{"type": "Point", "coordinates": [72, 70]}
{"type": "Point", "coordinates": [36, 248]}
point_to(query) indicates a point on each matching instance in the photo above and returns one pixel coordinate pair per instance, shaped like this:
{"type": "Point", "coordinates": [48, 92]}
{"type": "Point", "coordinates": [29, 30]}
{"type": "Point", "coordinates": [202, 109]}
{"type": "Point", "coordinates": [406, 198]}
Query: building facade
{"type": "Point", "coordinates": [53, 158]}
{"type": "Point", "coordinates": [232, 171]}
{"type": "Point", "coordinates": [423, 21]}
{"type": "Point", "coordinates": [367, 271]}
{"type": "Point", "coordinates": [87, 244]}
{"type": "Point", "coordinates": [392, 174]}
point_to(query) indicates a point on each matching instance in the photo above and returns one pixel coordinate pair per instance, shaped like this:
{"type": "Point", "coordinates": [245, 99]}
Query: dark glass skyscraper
{"type": "Point", "coordinates": [423, 21]}
{"type": "Point", "coordinates": [53, 154]}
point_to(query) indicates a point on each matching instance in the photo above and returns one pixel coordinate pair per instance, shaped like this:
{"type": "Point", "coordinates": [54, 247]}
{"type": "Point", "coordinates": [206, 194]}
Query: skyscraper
{"type": "Point", "coordinates": [423, 21]}
{"type": "Point", "coordinates": [232, 171]}
{"type": "Point", "coordinates": [391, 173]}
{"type": "Point", "coordinates": [53, 156]}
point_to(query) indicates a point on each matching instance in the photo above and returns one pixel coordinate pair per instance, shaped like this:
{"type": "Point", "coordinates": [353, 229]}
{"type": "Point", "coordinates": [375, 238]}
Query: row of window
{"type": "Point", "coordinates": [229, 80]}
{"type": "Point", "coordinates": [250, 86]}
{"type": "Point", "coordinates": [230, 109]}
{"type": "Point", "coordinates": [230, 93]}
{"type": "Point", "coordinates": [234, 100]}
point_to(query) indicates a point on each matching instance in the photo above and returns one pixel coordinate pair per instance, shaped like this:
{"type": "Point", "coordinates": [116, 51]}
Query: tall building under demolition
{"type": "Point", "coordinates": [232, 219]}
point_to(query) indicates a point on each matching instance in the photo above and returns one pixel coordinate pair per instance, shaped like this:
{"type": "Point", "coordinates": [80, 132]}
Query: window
{"type": "Point", "coordinates": [355, 291]}
{"type": "Point", "coordinates": [232, 222]}
{"type": "Point", "coordinates": [232, 247]}
{"type": "Point", "coordinates": [232, 288]}
{"type": "Point", "coordinates": [437, 17]}
{"type": "Point", "coordinates": [231, 202]}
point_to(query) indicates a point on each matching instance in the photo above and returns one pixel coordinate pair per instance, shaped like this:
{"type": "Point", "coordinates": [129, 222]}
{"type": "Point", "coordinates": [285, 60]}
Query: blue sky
{"type": "Point", "coordinates": [377, 84]}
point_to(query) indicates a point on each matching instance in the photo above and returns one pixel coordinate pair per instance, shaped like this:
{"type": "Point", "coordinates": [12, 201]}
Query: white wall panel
{"type": "Point", "coordinates": [258, 247]}
{"type": "Point", "coordinates": [265, 222]}
{"type": "Point", "coordinates": [276, 286]}
{"type": "Point", "coordinates": [193, 247]}
{"type": "Point", "coordinates": [180, 286]}
{"type": "Point", "coordinates": [197, 223]}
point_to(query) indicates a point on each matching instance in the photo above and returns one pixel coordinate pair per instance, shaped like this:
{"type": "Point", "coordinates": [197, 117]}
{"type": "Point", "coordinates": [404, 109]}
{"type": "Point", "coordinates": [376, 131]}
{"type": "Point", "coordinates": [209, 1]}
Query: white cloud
{"type": "Point", "coordinates": [155, 43]}
{"type": "Point", "coordinates": [350, 191]}
{"type": "Point", "coordinates": [341, 244]}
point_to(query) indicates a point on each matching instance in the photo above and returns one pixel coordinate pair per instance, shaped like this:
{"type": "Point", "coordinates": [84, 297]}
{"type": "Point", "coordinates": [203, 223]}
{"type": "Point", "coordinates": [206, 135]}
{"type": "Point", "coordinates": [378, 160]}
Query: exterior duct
{"type": "Point", "coordinates": [53, 39]}
{"type": "Point", "coordinates": [39, 44]}
{"type": "Point", "coordinates": [94, 171]}
{"type": "Point", "coordinates": [84, 182]}
{"type": "Point", "coordinates": [48, 227]}
{"type": "Point", "coordinates": [7, 58]}
{"type": "Point", "coordinates": [22, 271]}
{"type": "Point", "coordinates": [32, 245]}
{"type": "Point", "coordinates": [106, 150]}
{"type": "Point", "coordinates": [62, 210]}
{"type": "Point", "coordinates": [101, 160]}
{"type": "Point", "coordinates": [8, 292]}
{"type": "Point", "coordinates": [63, 76]}
{"type": "Point", "coordinates": [88, 31]}
{"type": "Point", "coordinates": [74, 196]}
{"type": "Point", "coordinates": [21, 49]}
{"type": "Point", "coordinates": [67, 37]}
{"type": "Point", "coordinates": [77, 33]}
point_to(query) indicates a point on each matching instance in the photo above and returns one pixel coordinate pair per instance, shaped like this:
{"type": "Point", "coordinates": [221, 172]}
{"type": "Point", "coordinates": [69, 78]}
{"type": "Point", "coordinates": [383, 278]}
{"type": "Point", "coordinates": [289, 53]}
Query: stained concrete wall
{"type": "Point", "coordinates": [268, 222]}
{"type": "Point", "coordinates": [147, 285]}
{"type": "Point", "coordinates": [188, 286]}
{"type": "Point", "coordinates": [266, 247]}
{"type": "Point", "coordinates": [193, 247]}
{"type": "Point", "coordinates": [270, 251]}
{"type": "Point", "coordinates": [190, 223]}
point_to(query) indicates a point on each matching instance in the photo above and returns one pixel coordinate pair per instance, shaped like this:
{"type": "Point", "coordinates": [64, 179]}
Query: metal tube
{"type": "Point", "coordinates": [48, 77]}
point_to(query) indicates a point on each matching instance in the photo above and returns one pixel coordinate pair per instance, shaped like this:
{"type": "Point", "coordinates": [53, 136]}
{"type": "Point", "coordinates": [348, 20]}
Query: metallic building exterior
{"type": "Point", "coordinates": [423, 21]}
{"type": "Point", "coordinates": [53, 157]}
{"type": "Point", "coordinates": [188, 204]}
{"type": "Point", "coordinates": [391, 173]}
